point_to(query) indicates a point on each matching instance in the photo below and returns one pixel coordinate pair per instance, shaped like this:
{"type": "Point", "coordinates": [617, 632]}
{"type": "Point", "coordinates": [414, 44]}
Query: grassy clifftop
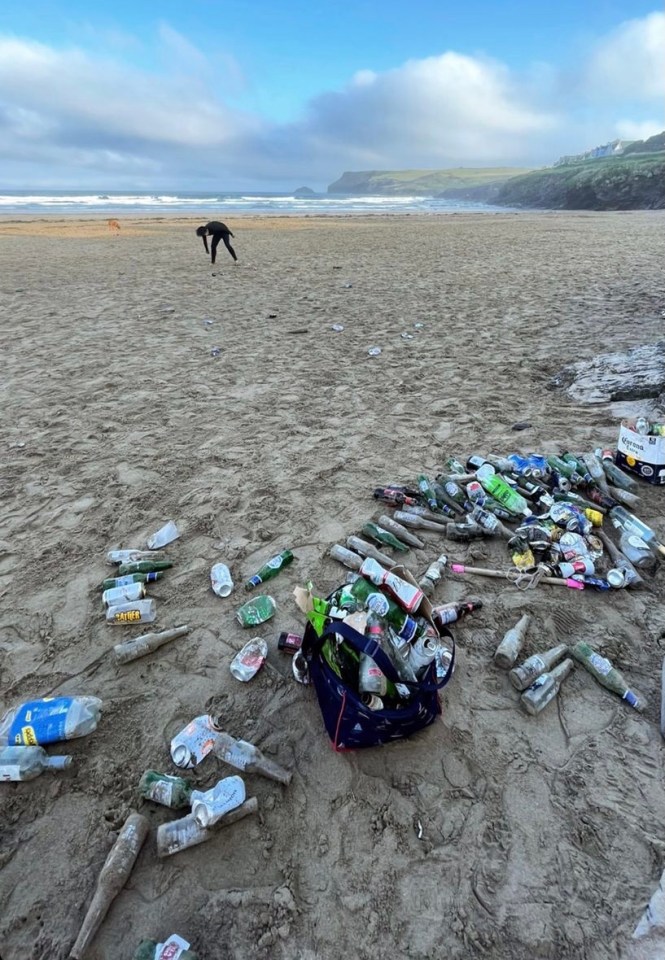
{"type": "Point", "coordinates": [632, 182]}
{"type": "Point", "coordinates": [420, 182]}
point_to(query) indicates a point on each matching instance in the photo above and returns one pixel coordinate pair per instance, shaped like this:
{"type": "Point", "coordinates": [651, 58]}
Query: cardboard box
{"type": "Point", "coordinates": [642, 455]}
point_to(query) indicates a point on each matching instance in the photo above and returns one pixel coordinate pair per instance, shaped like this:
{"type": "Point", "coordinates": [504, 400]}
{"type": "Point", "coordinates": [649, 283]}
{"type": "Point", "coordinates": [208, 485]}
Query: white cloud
{"type": "Point", "coordinates": [74, 115]}
{"type": "Point", "coordinates": [636, 130]}
{"type": "Point", "coordinates": [630, 62]}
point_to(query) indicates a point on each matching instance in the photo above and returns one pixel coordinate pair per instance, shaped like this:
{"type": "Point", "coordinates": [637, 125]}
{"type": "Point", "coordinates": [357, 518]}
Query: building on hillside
{"type": "Point", "coordinates": [612, 149]}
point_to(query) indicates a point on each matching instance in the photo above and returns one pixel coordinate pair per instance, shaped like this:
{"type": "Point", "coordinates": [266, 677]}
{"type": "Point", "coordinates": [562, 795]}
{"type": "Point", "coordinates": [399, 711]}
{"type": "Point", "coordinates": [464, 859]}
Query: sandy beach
{"type": "Point", "coordinates": [541, 837]}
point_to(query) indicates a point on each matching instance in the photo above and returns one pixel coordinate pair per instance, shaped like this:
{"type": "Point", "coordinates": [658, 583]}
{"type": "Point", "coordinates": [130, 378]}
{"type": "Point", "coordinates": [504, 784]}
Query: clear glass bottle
{"type": "Point", "coordinates": [26, 763]}
{"type": "Point", "coordinates": [545, 688]}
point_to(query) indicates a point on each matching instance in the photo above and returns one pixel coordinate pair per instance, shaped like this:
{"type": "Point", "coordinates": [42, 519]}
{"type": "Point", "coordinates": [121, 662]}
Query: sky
{"type": "Point", "coordinates": [276, 94]}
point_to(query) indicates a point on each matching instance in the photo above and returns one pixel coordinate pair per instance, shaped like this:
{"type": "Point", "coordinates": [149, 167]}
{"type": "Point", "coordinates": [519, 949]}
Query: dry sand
{"type": "Point", "coordinates": [541, 838]}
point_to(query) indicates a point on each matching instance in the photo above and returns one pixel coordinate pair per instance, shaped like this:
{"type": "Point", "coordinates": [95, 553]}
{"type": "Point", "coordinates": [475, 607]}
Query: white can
{"type": "Point", "coordinates": [221, 580]}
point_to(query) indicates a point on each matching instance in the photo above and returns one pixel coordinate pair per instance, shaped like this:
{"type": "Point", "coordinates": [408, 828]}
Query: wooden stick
{"type": "Point", "coordinates": [147, 643]}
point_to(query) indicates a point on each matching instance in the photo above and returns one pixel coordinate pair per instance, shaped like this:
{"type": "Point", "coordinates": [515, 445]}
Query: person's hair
{"type": "Point", "coordinates": [200, 231]}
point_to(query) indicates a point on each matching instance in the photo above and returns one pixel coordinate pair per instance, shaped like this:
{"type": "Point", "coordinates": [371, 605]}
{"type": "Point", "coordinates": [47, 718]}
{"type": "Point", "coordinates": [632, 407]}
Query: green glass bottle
{"type": "Point", "coordinates": [606, 674]}
{"type": "Point", "coordinates": [425, 488]}
{"type": "Point", "coordinates": [173, 792]}
{"type": "Point", "coordinates": [147, 950]}
{"type": "Point", "coordinates": [385, 607]}
{"type": "Point", "coordinates": [453, 465]}
{"type": "Point", "coordinates": [144, 566]}
{"type": "Point", "coordinates": [111, 582]}
{"type": "Point", "coordinates": [377, 533]}
{"type": "Point", "coordinates": [270, 569]}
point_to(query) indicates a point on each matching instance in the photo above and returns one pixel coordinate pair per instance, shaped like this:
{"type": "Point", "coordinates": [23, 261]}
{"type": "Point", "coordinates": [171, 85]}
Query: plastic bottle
{"type": "Point", "coordinates": [543, 690]}
{"type": "Point", "coordinates": [497, 487]}
{"type": "Point", "coordinates": [626, 521]}
{"type": "Point", "coordinates": [173, 792]}
{"type": "Point", "coordinates": [49, 720]}
{"type": "Point", "coordinates": [524, 675]}
{"type": "Point", "coordinates": [447, 613]}
{"type": "Point", "coordinates": [425, 488]}
{"type": "Point", "coordinates": [209, 806]}
{"type": "Point", "coordinates": [113, 877]}
{"type": "Point", "coordinates": [606, 674]}
{"type": "Point", "coordinates": [26, 763]}
{"type": "Point", "coordinates": [131, 611]}
{"type": "Point", "coordinates": [406, 594]}
{"type": "Point", "coordinates": [248, 661]}
{"type": "Point", "coordinates": [367, 550]}
{"type": "Point", "coordinates": [143, 566]}
{"type": "Point", "coordinates": [175, 948]}
{"type": "Point", "coordinates": [256, 611]}
{"type": "Point", "coordinates": [509, 649]}
{"type": "Point", "coordinates": [388, 539]}
{"type": "Point", "coordinates": [371, 678]}
{"type": "Point", "coordinates": [132, 591]}
{"type": "Point", "coordinates": [112, 582]}
{"type": "Point", "coordinates": [432, 575]}
{"type": "Point", "coordinates": [248, 758]}
{"type": "Point", "coordinates": [221, 580]}
{"type": "Point", "coordinates": [177, 835]}
{"type": "Point", "coordinates": [270, 569]}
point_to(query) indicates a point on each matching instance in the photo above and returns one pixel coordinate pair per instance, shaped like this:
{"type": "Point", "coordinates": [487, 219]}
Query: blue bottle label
{"type": "Point", "coordinates": [40, 721]}
{"type": "Point", "coordinates": [630, 698]}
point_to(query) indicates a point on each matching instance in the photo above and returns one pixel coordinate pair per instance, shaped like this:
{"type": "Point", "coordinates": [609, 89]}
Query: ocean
{"type": "Point", "coordinates": [212, 204]}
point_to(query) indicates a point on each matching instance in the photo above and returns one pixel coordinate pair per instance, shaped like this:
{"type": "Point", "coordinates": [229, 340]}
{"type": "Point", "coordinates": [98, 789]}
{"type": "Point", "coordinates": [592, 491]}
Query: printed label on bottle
{"type": "Point", "coordinates": [600, 664]}
{"type": "Point", "coordinates": [237, 758]}
{"type": "Point", "coordinates": [173, 949]}
{"type": "Point", "coordinates": [628, 696]}
{"type": "Point", "coordinates": [40, 721]}
{"type": "Point", "coordinates": [127, 616]}
{"type": "Point", "coordinates": [10, 771]}
{"type": "Point", "coordinates": [377, 603]}
{"type": "Point", "coordinates": [161, 792]}
{"type": "Point", "coordinates": [274, 563]}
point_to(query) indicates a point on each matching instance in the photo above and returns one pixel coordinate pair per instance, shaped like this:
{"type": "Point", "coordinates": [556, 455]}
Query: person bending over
{"type": "Point", "coordinates": [218, 231]}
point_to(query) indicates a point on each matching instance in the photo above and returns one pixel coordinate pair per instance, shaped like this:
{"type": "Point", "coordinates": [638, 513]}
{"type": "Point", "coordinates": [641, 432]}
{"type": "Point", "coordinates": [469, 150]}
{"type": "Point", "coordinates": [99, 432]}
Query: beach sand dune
{"type": "Point", "coordinates": [541, 837]}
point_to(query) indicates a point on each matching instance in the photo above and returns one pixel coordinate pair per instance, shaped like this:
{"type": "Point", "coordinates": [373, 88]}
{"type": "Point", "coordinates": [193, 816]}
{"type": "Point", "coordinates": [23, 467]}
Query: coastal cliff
{"type": "Point", "coordinates": [632, 182]}
{"type": "Point", "coordinates": [428, 183]}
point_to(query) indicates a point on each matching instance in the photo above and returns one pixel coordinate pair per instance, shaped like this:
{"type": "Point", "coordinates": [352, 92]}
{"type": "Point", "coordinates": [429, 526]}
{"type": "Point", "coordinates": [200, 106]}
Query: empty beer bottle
{"type": "Point", "coordinates": [270, 569]}
{"type": "Point", "coordinates": [173, 792]}
{"type": "Point", "coordinates": [524, 675]}
{"type": "Point", "coordinates": [454, 466]}
{"type": "Point", "coordinates": [447, 613]}
{"type": "Point", "coordinates": [508, 650]}
{"type": "Point", "coordinates": [111, 582]}
{"type": "Point", "coordinates": [606, 674]}
{"type": "Point", "coordinates": [143, 566]}
{"type": "Point", "coordinates": [394, 496]}
{"type": "Point", "coordinates": [385, 537]}
{"type": "Point", "coordinates": [543, 690]}
{"type": "Point", "coordinates": [427, 492]}
{"type": "Point", "coordinates": [376, 601]}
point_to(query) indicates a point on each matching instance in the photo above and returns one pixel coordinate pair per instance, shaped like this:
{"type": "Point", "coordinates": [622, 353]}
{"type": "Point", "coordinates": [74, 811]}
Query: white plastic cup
{"type": "Point", "coordinates": [222, 582]}
{"type": "Point", "coordinates": [165, 535]}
